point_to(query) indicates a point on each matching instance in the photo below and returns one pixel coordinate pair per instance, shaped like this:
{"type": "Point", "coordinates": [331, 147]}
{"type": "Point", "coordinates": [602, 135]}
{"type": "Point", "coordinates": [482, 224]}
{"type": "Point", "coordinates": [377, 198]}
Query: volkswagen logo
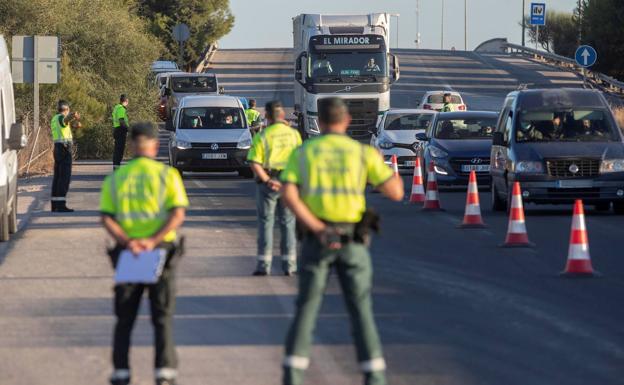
{"type": "Point", "coordinates": [476, 161]}
{"type": "Point", "coordinates": [573, 168]}
{"type": "Point", "coordinates": [214, 147]}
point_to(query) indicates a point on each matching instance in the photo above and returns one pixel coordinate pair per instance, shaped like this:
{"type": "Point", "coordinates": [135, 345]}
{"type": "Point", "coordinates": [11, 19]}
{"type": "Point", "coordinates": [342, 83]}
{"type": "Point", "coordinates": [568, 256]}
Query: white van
{"type": "Point", "coordinates": [13, 139]}
{"type": "Point", "coordinates": [210, 133]}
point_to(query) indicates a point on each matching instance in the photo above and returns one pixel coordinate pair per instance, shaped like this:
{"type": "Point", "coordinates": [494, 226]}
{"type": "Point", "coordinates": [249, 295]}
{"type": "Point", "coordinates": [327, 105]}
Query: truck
{"type": "Point", "coordinates": [13, 139]}
{"type": "Point", "coordinates": [345, 56]}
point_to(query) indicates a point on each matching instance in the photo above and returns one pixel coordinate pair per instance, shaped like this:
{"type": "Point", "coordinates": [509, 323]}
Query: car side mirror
{"type": "Point", "coordinates": [17, 137]}
{"type": "Point", "coordinates": [498, 139]}
{"type": "Point", "coordinates": [299, 68]}
{"type": "Point", "coordinates": [421, 136]}
{"type": "Point", "coordinates": [221, 90]}
{"type": "Point", "coordinates": [167, 91]}
{"type": "Point", "coordinates": [396, 72]}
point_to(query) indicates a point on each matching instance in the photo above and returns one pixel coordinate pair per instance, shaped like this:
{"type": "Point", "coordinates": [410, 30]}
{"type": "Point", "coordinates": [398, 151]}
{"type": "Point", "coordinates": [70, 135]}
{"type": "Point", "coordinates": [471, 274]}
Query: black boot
{"type": "Point", "coordinates": [163, 381]}
{"type": "Point", "coordinates": [53, 205]}
{"type": "Point", "coordinates": [62, 208]}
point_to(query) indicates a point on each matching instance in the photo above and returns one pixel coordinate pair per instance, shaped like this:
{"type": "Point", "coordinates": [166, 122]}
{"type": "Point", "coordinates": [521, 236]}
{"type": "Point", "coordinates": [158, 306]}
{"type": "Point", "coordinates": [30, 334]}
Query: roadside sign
{"type": "Point", "coordinates": [181, 32]}
{"type": "Point", "coordinates": [36, 59]}
{"type": "Point", "coordinates": [538, 13]}
{"type": "Point", "coordinates": [586, 56]}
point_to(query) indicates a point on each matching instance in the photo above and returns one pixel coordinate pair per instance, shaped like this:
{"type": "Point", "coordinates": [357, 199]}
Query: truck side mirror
{"type": "Point", "coordinates": [498, 139]}
{"type": "Point", "coordinates": [221, 90]}
{"type": "Point", "coordinates": [396, 72]}
{"type": "Point", "coordinates": [299, 76]}
{"type": "Point", "coordinates": [17, 137]}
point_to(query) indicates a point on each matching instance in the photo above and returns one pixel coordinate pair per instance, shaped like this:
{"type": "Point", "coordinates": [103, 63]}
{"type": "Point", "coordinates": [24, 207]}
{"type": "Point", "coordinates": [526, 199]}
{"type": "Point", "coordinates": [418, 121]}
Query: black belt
{"type": "Point", "coordinates": [273, 173]}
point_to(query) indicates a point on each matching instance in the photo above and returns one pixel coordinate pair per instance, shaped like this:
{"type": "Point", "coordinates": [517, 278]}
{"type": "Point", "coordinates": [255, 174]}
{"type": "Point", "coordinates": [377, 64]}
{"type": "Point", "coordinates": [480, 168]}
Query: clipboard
{"type": "Point", "coordinates": [143, 268]}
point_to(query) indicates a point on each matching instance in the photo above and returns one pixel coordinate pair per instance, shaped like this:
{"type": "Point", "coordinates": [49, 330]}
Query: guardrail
{"type": "Point", "coordinates": [208, 55]}
{"type": "Point", "coordinates": [608, 83]}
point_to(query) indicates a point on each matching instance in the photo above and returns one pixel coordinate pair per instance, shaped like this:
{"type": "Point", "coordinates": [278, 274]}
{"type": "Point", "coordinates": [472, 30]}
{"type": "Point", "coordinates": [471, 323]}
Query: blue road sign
{"type": "Point", "coordinates": [586, 56]}
{"type": "Point", "coordinates": [538, 13]}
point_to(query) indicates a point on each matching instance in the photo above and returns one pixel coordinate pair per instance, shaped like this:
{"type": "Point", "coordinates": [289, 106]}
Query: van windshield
{"type": "Point", "coordinates": [582, 125]}
{"type": "Point", "coordinates": [211, 118]}
{"type": "Point", "coordinates": [465, 128]}
{"type": "Point", "coordinates": [194, 84]}
{"type": "Point", "coordinates": [408, 121]}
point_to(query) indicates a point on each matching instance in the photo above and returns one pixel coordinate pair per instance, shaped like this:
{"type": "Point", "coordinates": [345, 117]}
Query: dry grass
{"type": "Point", "coordinates": [619, 117]}
{"type": "Point", "coordinates": [42, 156]}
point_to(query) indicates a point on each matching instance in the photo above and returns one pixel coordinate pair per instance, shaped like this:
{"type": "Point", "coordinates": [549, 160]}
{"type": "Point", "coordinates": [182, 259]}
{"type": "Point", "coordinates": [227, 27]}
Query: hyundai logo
{"type": "Point", "coordinates": [476, 161]}
{"type": "Point", "coordinates": [214, 147]}
{"type": "Point", "coordinates": [574, 168]}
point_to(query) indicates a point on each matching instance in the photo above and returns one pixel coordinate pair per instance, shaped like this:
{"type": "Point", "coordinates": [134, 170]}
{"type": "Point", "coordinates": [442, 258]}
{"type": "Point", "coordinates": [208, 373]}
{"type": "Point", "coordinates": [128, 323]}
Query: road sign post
{"type": "Point", "coordinates": [538, 17]}
{"type": "Point", "coordinates": [181, 33]}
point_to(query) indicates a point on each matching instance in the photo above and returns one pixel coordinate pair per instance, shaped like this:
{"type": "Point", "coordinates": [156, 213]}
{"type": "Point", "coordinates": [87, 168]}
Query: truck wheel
{"type": "Point", "coordinates": [13, 217]}
{"type": "Point", "coordinates": [618, 208]}
{"type": "Point", "coordinates": [4, 226]}
{"type": "Point", "coordinates": [497, 203]}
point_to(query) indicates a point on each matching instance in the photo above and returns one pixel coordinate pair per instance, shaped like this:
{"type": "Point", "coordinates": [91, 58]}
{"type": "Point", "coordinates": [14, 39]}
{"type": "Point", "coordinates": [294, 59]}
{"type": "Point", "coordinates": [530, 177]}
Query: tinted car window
{"type": "Point", "coordinates": [553, 99]}
{"type": "Point", "coordinates": [218, 118]}
{"type": "Point", "coordinates": [465, 128]}
{"type": "Point", "coordinates": [408, 121]}
{"type": "Point", "coordinates": [582, 125]}
{"type": "Point", "coordinates": [437, 98]}
{"type": "Point", "coordinates": [194, 84]}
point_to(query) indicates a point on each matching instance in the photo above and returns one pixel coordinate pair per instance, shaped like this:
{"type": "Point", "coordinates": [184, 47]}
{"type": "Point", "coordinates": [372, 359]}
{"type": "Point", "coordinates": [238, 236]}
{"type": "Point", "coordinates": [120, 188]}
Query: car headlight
{"type": "Point", "coordinates": [313, 124]}
{"type": "Point", "coordinates": [612, 165]}
{"type": "Point", "coordinates": [384, 143]}
{"type": "Point", "coordinates": [182, 144]}
{"type": "Point", "coordinates": [529, 167]}
{"type": "Point", "coordinates": [244, 142]}
{"type": "Point", "coordinates": [437, 153]}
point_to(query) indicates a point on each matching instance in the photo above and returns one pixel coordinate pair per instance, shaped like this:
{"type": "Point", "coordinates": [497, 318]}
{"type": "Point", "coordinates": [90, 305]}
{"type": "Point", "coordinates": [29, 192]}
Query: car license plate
{"type": "Point", "coordinates": [475, 167]}
{"type": "Point", "coordinates": [410, 163]}
{"type": "Point", "coordinates": [209, 155]}
{"type": "Point", "coordinates": [575, 183]}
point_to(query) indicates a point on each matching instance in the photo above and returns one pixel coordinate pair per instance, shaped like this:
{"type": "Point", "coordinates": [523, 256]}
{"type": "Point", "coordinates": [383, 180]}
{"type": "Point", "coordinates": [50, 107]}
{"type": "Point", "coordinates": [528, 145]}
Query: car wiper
{"type": "Point", "coordinates": [330, 79]}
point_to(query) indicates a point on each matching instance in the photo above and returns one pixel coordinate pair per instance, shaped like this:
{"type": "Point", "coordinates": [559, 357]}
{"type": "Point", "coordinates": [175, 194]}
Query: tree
{"type": "Point", "coordinates": [602, 29]}
{"type": "Point", "coordinates": [208, 21]}
{"type": "Point", "coordinates": [559, 35]}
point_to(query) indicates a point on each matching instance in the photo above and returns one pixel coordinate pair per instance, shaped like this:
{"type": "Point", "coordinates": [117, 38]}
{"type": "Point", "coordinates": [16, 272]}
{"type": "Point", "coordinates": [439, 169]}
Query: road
{"type": "Point", "coordinates": [452, 307]}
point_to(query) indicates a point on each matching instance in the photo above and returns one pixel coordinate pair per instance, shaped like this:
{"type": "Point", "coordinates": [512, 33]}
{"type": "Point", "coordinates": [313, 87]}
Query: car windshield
{"type": "Point", "coordinates": [194, 84]}
{"type": "Point", "coordinates": [438, 99]}
{"type": "Point", "coordinates": [339, 65]}
{"type": "Point", "coordinates": [211, 118]}
{"type": "Point", "coordinates": [407, 121]}
{"type": "Point", "coordinates": [477, 128]}
{"type": "Point", "coordinates": [582, 125]}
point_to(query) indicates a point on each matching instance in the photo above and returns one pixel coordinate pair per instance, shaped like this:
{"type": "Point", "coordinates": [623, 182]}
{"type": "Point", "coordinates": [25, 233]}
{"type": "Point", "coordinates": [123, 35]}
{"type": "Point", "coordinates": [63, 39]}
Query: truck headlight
{"type": "Point", "coordinates": [437, 153]}
{"type": "Point", "coordinates": [384, 143]}
{"type": "Point", "coordinates": [313, 124]}
{"type": "Point", "coordinates": [244, 142]}
{"type": "Point", "coordinates": [526, 167]}
{"type": "Point", "coordinates": [182, 144]}
{"type": "Point", "coordinates": [612, 165]}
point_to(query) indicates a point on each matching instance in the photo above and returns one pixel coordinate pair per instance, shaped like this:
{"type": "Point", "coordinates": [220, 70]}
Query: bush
{"type": "Point", "coordinates": [96, 142]}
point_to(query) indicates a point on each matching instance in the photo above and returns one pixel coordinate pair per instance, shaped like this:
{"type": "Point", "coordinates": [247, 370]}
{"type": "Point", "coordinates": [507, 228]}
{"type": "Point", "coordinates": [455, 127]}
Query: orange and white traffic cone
{"type": "Point", "coordinates": [472, 215]}
{"type": "Point", "coordinates": [516, 231]}
{"type": "Point", "coordinates": [418, 190]}
{"type": "Point", "coordinates": [432, 199]}
{"type": "Point", "coordinates": [579, 262]}
{"type": "Point", "coordinates": [395, 164]}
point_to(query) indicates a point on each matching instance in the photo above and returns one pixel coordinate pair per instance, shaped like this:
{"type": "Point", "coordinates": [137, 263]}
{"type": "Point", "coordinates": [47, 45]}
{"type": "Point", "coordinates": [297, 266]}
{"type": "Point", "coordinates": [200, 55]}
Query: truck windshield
{"type": "Point", "coordinates": [185, 84]}
{"type": "Point", "coordinates": [408, 122]}
{"type": "Point", "coordinates": [582, 125]}
{"type": "Point", "coordinates": [211, 118]}
{"type": "Point", "coordinates": [336, 66]}
{"type": "Point", "coordinates": [465, 128]}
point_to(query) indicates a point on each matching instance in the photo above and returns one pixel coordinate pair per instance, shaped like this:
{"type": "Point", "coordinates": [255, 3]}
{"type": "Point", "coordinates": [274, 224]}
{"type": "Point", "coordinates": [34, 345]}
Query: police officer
{"type": "Point", "coordinates": [269, 152]}
{"type": "Point", "coordinates": [120, 130]}
{"type": "Point", "coordinates": [142, 204]}
{"type": "Point", "coordinates": [447, 106]}
{"type": "Point", "coordinates": [324, 185]}
{"type": "Point", "coordinates": [61, 126]}
{"type": "Point", "coordinates": [253, 116]}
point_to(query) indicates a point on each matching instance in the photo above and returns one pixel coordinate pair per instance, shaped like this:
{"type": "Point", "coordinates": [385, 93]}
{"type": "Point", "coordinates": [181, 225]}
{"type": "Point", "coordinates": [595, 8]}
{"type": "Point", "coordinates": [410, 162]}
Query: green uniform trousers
{"type": "Point", "coordinates": [353, 265]}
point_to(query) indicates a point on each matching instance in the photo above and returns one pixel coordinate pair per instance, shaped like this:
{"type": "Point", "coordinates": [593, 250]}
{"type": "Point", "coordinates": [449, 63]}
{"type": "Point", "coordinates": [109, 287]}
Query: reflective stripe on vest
{"type": "Point", "coordinates": [60, 134]}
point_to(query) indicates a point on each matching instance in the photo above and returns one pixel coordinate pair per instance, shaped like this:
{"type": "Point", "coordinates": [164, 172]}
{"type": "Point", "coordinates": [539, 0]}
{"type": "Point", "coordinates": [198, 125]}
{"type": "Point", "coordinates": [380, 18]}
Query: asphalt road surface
{"type": "Point", "coordinates": [452, 307]}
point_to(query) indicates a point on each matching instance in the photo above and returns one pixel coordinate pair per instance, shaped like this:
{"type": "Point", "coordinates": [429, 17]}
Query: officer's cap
{"type": "Point", "coordinates": [145, 129]}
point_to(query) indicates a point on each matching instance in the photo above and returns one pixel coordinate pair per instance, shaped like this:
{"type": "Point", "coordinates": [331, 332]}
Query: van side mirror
{"type": "Point", "coordinates": [498, 139]}
{"type": "Point", "coordinates": [17, 137]}
{"type": "Point", "coordinates": [167, 91]}
{"type": "Point", "coordinates": [299, 76]}
{"type": "Point", "coordinates": [421, 136]}
{"type": "Point", "coordinates": [396, 72]}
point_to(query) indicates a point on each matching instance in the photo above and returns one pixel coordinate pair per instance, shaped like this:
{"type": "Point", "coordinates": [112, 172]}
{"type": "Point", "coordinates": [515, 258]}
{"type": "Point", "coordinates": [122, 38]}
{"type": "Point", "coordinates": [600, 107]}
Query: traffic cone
{"type": "Point", "coordinates": [516, 231]}
{"type": "Point", "coordinates": [579, 262]}
{"type": "Point", "coordinates": [472, 215]}
{"type": "Point", "coordinates": [432, 199]}
{"type": "Point", "coordinates": [395, 164]}
{"type": "Point", "coordinates": [418, 190]}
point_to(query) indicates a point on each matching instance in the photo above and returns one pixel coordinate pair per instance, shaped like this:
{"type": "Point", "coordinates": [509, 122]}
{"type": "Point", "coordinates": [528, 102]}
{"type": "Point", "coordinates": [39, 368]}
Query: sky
{"type": "Point", "coordinates": [268, 23]}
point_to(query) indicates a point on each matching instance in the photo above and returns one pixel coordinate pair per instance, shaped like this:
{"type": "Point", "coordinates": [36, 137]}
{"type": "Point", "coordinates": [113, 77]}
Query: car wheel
{"type": "Point", "coordinates": [4, 226]}
{"type": "Point", "coordinates": [246, 173]}
{"type": "Point", "coordinates": [13, 217]}
{"type": "Point", "coordinates": [605, 206]}
{"type": "Point", "coordinates": [618, 208]}
{"type": "Point", "coordinates": [498, 204]}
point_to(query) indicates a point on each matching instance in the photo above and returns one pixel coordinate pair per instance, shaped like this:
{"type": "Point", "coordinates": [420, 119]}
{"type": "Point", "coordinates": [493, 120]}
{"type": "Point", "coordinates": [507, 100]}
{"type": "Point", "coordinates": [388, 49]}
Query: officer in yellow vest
{"type": "Point", "coordinates": [142, 204]}
{"type": "Point", "coordinates": [269, 152]}
{"type": "Point", "coordinates": [447, 106]}
{"type": "Point", "coordinates": [120, 130]}
{"type": "Point", "coordinates": [253, 117]}
{"type": "Point", "coordinates": [324, 185]}
{"type": "Point", "coordinates": [63, 140]}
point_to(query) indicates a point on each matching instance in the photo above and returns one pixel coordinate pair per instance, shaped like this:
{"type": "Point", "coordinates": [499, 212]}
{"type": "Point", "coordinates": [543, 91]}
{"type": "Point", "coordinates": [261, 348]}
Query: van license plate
{"type": "Point", "coordinates": [210, 155]}
{"type": "Point", "coordinates": [574, 183]}
{"type": "Point", "coordinates": [475, 167]}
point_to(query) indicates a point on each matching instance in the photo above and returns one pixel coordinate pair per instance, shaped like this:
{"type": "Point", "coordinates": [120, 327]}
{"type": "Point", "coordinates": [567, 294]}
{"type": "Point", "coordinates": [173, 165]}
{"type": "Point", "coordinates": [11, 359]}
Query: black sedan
{"type": "Point", "coordinates": [457, 143]}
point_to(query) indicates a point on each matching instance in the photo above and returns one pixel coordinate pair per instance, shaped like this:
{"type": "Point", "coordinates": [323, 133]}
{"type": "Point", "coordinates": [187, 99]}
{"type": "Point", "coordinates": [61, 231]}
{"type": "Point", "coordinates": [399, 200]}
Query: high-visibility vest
{"type": "Point", "coordinates": [140, 195]}
{"type": "Point", "coordinates": [251, 115]}
{"type": "Point", "coordinates": [448, 107]}
{"type": "Point", "coordinates": [119, 112]}
{"type": "Point", "coordinates": [61, 133]}
{"type": "Point", "coordinates": [273, 146]}
{"type": "Point", "coordinates": [332, 172]}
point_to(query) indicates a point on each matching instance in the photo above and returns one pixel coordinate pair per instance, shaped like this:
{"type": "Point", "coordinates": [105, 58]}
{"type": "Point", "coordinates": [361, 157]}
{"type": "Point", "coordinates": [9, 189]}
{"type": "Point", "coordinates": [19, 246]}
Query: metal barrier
{"type": "Point", "coordinates": [208, 55]}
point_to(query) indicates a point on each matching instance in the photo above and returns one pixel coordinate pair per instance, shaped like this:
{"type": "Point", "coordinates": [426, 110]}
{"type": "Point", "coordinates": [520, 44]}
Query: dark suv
{"type": "Point", "coordinates": [561, 145]}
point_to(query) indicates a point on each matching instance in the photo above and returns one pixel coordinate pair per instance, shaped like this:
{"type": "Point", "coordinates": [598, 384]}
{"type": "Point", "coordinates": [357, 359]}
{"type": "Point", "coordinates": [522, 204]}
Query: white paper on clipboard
{"type": "Point", "coordinates": [143, 268]}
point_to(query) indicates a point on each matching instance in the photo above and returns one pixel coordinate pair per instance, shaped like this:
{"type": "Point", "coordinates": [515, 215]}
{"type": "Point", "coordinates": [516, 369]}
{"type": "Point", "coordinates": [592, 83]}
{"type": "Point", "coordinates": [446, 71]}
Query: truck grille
{"type": "Point", "coordinates": [364, 117]}
{"type": "Point", "coordinates": [563, 168]}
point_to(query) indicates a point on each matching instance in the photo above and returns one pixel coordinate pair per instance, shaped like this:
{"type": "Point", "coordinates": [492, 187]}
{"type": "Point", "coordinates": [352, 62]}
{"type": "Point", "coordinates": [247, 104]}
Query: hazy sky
{"type": "Point", "coordinates": [267, 23]}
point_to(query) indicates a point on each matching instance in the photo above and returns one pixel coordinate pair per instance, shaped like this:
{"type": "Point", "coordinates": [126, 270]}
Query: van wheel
{"type": "Point", "coordinates": [618, 208]}
{"type": "Point", "coordinates": [13, 217]}
{"type": "Point", "coordinates": [4, 226]}
{"type": "Point", "coordinates": [497, 203]}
